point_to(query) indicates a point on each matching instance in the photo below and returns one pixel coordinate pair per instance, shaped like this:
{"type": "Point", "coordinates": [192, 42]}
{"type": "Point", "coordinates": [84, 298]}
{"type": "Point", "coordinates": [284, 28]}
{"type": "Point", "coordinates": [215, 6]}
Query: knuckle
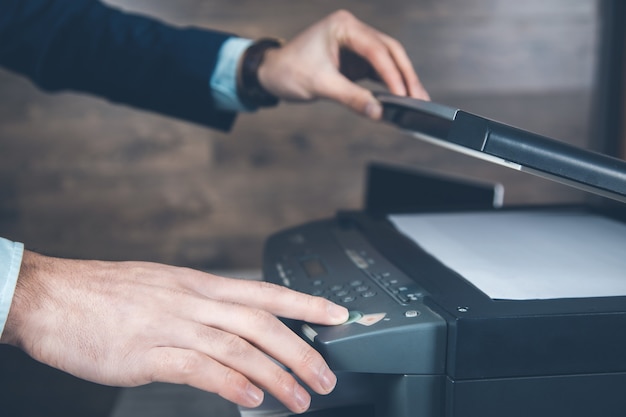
{"type": "Point", "coordinates": [270, 290]}
{"type": "Point", "coordinates": [378, 55]}
{"type": "Point", "coordinates": [188, 364]}
{"type": "Point", "coordinates": [261, 317]}
{"type": "Point", "coordinates": [318, 303]}
{"type": "Point", "coordinates": [270, 287]}
{"type": "Point", "coordinates": [393, 42]}
{"type": "Point", "coordinates": [266, 322]}
{"type": "Point", "coordinates": [315, 304]}
{"type": "Point", "coordinates": [173, 367]}
{"type": "Point", "coordinates": [309, 364]}
{"type": "Point", "coordinates": [284, 382]}
{"type": "Point", "coordinates": [308, 357]}
{"type": "Point", "coordinates": [234, 385]}
{"type": "Point", "coordinates": [235, 346]}
{"type": "Point", "coordinates": [342, 16]}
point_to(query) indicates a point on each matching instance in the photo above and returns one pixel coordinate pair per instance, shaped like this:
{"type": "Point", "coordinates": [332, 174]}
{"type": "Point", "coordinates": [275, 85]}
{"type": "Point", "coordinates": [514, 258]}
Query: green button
{"type": "Point", "coordinates": [354, 316]}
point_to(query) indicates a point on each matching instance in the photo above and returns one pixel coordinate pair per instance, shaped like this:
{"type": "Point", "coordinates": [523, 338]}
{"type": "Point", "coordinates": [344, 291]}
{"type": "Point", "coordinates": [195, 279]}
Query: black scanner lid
{"type": "Point", "coordinates": [506, 145]}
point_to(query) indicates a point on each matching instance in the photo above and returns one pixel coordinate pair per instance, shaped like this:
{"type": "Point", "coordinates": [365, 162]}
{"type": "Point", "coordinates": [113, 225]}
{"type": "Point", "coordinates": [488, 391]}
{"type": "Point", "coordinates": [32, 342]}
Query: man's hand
{"type": "Point", "coordinates": [325, 59]}
{"type": "Point", "coordinates": [131, 323]}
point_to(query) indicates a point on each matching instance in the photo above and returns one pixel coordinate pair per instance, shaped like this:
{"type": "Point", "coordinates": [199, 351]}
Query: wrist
{"type": "Point", "coordinates": [249, 88]}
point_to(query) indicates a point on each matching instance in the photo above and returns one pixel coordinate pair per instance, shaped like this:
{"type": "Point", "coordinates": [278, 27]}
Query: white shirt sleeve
{"type": "Point", "coordinates": [10, 262]}
{"type": "Point", "coordinates": [223, 82]}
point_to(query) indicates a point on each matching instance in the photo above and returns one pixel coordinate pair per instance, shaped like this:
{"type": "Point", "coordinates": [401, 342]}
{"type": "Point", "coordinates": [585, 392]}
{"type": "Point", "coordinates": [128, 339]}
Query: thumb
{"type": "Point", "coordinates": [351, 95]}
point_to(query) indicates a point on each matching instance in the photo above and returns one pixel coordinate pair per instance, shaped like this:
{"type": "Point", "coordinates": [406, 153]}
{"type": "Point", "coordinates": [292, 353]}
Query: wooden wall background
{"type": "Point", "coordinates": [80, 177]}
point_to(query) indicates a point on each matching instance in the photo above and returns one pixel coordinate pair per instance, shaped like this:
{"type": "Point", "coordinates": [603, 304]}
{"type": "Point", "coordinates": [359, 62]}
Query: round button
{"type": "Point", "coordinates": [354, 316]}
{"type": "Point", "coordinates": [411, 313]}
{"type": "Point", "coordinates": [368, 294]}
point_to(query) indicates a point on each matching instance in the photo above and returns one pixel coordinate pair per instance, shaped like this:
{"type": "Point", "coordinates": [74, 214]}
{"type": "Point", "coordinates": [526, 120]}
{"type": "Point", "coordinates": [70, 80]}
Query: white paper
{"type": "Point", "coordinates": [522, 255]}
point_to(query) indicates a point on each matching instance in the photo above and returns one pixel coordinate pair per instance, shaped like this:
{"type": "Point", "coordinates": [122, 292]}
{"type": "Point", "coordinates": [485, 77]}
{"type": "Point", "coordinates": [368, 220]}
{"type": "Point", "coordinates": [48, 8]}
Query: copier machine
{"type": "Point", "coordinates": [460, 307]}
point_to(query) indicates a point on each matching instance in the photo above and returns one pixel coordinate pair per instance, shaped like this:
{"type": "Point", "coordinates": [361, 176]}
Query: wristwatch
{"type": "Point", "coordinates": [249, 89]}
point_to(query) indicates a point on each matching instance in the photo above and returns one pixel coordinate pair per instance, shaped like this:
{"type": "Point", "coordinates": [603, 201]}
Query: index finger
{"type": "Point", "coordinates": [278, 300]}
{"type": "Point", "coordinates": [389, 59]}
{"type": "Point", "coordinates": [401, 59]}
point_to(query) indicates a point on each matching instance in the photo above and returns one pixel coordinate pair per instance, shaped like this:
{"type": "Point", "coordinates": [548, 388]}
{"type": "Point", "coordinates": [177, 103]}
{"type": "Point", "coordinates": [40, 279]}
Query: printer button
{"type": "Point", "coordinates": [354, 316]}
{"type": "Point", "coordinates": [408, 298]}
{"type": "Point", "coordinates": [403, 298]}
{"type": "Point", "coordinates": [368, 294]}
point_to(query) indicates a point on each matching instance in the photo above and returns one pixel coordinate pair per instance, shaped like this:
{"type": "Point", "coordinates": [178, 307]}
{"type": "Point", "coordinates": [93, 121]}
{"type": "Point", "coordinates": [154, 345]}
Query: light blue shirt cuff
{"type": "Point", "coordinates": [10, 262]}
{"type": "Point", "coordinates": [223, 82]}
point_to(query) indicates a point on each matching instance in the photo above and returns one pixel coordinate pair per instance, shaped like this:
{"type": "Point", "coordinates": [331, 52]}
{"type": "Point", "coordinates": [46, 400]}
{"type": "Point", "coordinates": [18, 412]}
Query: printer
{"type": "Point", "coordinates": [460, 307]}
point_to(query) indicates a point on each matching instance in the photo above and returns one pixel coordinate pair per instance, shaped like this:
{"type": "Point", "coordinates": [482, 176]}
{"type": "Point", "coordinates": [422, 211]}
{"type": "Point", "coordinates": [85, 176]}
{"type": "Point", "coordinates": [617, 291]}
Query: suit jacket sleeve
{"type": "Point", "coordinates": [86, 46]}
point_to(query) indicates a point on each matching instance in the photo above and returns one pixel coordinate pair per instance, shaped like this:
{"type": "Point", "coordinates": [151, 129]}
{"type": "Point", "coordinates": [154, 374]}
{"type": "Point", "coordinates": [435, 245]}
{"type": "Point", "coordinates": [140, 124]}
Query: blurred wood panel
{"type": "Point", "coordinates": [458, 45]}
{"type": "Point", "coordinates": [80, 177]}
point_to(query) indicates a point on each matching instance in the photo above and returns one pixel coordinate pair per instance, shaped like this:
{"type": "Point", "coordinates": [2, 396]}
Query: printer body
{"type": "Point", "coordinates": [421, 339]}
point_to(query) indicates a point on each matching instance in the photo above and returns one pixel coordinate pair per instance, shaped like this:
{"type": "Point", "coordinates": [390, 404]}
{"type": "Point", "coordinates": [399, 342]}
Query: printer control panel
{"type": "Point", "coordinates": [390, 329]}
{"type": "Point", "coordinates": [375, 277]}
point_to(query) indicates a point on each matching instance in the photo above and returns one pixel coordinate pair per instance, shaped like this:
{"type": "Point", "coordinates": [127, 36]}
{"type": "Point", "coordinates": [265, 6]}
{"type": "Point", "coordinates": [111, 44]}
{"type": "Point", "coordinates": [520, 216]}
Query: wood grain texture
{"type": "Point", "coordinates": [81, 177]}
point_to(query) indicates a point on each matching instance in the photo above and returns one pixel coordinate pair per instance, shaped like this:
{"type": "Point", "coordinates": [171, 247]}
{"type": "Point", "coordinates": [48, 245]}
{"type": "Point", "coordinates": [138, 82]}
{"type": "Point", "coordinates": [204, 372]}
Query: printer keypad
{"type": "Point", "coordinates": [345, 293]}
{"type": "Point", "coordinates": [403, 292]}
{"type": "Point", "coordinates": [342, 293]}
{"type": "Point", "coordinates": [375, 281]}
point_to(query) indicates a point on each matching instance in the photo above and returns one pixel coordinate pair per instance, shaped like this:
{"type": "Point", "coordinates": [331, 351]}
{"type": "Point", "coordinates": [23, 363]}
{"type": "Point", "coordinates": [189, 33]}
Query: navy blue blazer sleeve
{"type": "Point", "coordinates": [87, 46]}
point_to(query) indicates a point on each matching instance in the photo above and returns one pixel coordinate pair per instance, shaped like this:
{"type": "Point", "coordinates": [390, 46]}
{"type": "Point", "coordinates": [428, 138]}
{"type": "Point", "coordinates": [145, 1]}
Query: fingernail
{"type": "Point", "coordinates": [328, 380]}
{"type": "Point", "coordinates": [337, 312]}
{"type": "Point", "coordinates": [302, 398]}
{"type": "Point", "coordinates": [374, 110]}
{"type": "Point", "coordinates": [255, 396]}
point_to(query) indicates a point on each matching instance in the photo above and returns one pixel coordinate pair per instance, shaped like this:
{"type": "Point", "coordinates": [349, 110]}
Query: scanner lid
{"type": "Point", "coordinates": [506, 145]}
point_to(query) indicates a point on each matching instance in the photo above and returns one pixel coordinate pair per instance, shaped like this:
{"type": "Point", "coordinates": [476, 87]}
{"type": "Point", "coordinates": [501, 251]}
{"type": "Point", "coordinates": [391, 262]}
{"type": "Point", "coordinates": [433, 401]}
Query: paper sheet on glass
{"type": "Point", "coordinates": [522, 255]}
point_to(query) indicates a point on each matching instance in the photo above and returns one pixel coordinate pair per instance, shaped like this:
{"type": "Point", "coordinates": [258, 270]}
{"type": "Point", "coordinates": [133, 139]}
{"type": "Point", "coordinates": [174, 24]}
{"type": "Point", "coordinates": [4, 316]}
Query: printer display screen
{"type": "Point", "coordinates": [313, 267]}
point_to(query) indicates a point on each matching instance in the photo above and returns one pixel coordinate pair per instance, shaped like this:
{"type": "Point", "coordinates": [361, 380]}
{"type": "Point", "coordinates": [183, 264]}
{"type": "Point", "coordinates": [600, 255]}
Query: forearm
{"type": "Point", "coordinates": [86, 46]}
